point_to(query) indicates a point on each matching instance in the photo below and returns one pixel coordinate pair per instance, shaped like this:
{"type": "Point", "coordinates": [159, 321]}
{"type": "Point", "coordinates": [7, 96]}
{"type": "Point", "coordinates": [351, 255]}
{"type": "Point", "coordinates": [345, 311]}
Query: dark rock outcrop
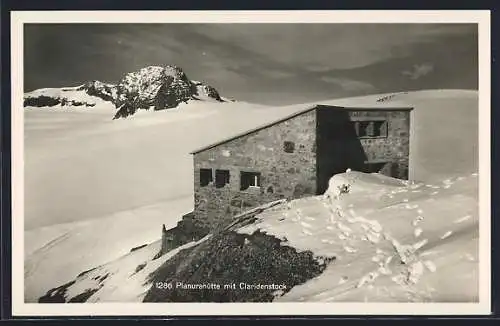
{"type": "Point", "coordinates": [42, 100]}
{"type": "Point", "coordinates": [105, 91]}
{"type": "Point", "coordinates": [232, 264]}
{"type": "Point", "coordinates": [202, 90]}
{"type": "Point", "coordinates": [158, 88]}
{"type": "Point", "coordinates": [229, 263]}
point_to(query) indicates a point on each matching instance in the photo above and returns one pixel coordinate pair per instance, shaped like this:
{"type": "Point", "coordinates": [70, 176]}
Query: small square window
{"type": "Point", "coordinates": [249, 179]}
{"type": "Point", "coordinates": [221, 178]}
{"type": "Point", "coordinates": [289, 146]}
{"type": "Point", "coordinates": [205, 177]}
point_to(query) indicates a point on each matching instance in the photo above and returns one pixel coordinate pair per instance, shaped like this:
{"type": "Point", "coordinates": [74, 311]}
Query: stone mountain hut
{"type": "Point", "coordinates": [296, 155]}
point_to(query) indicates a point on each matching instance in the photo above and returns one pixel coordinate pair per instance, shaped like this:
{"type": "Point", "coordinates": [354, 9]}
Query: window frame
{"type": "Point", "coordinates": [361, 131]}
{"type": "Point", "coordinates": [211, 179]}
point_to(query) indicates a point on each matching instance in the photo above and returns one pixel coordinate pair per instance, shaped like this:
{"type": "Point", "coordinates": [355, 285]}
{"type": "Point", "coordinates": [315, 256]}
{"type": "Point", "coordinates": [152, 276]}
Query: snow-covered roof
{"type": "Point", "coordinates": [293, 111]}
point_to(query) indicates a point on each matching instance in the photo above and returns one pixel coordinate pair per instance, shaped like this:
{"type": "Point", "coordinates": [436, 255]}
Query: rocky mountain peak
{"type": "Point", "coordinates": [159, 88]}
{"type": "Point", "coordinates": [152, 87]}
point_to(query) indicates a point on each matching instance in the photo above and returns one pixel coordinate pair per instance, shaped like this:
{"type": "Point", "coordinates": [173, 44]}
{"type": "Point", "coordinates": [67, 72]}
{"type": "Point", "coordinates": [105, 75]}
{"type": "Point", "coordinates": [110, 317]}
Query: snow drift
{"type": "Point", "coordinates": [384, 241]}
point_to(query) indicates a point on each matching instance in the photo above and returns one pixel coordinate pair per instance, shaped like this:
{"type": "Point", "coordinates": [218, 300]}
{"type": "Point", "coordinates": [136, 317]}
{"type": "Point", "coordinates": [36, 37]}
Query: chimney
{"type": "Point", "coordinates": [164, 246]}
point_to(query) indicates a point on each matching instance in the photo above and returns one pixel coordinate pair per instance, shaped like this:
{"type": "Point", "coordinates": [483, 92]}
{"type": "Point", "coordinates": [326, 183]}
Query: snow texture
{"type": "Point", "coordinates": [112, 184]}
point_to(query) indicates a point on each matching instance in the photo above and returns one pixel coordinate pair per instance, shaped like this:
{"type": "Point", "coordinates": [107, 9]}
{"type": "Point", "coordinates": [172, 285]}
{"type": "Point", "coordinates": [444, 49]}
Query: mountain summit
{"type": "Point", "coordinates": [158, 88]}
{"type": "Point", "coordinates": [150, 88]}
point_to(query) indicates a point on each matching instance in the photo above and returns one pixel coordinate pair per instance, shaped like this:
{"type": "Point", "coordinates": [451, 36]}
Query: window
{"type": "Point", "coordinates": [288, 146]}
{"type": "Point", "coordinates": [221, 178]}
{"type": "Point", "coordinates": [371, 129]}
{"type": "Point", "coordinates": [380, 128]}
{"type": "Point", "coordinates": [205, 177]}
{"type": "Point", "coordinates": [249, 179]}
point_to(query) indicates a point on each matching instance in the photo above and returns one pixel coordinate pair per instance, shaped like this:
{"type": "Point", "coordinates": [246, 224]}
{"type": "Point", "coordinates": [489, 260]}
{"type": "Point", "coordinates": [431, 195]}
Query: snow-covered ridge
{"type": "Point", "coordinates": [86, 95]}
{"type": "Point", "coordinates": [152, 87]}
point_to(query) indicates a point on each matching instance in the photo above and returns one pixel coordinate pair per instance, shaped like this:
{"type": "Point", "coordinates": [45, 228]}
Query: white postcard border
{"type": "Point", "coordinates": [19, 308]}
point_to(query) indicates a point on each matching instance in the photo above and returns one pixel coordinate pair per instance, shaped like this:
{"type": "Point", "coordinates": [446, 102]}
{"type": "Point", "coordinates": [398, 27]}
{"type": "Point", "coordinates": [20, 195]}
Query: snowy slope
{"type": "Point", "coordinates": [94, 170]}
{"type": "Point", "coordinates": [105, 183]}
{"type": "Point", "coordinates": [123, 280]}
{"type": "Point", "coordinates": [390, 242]}
{"type": "Point", "coordinates": [56, 253]}
{"type": "Point", "coordinates": [86, 160]}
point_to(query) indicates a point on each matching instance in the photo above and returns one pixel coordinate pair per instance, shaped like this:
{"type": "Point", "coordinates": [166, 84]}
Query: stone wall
{"type": "Point", "coordinates": [395, 148]}
{"type": "Point", "coordinates": [283, 174]}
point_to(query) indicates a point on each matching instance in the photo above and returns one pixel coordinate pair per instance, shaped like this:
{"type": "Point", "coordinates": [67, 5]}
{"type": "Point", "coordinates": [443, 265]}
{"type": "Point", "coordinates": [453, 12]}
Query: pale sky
{"type": "Point", "coordinates": [261, 63]}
